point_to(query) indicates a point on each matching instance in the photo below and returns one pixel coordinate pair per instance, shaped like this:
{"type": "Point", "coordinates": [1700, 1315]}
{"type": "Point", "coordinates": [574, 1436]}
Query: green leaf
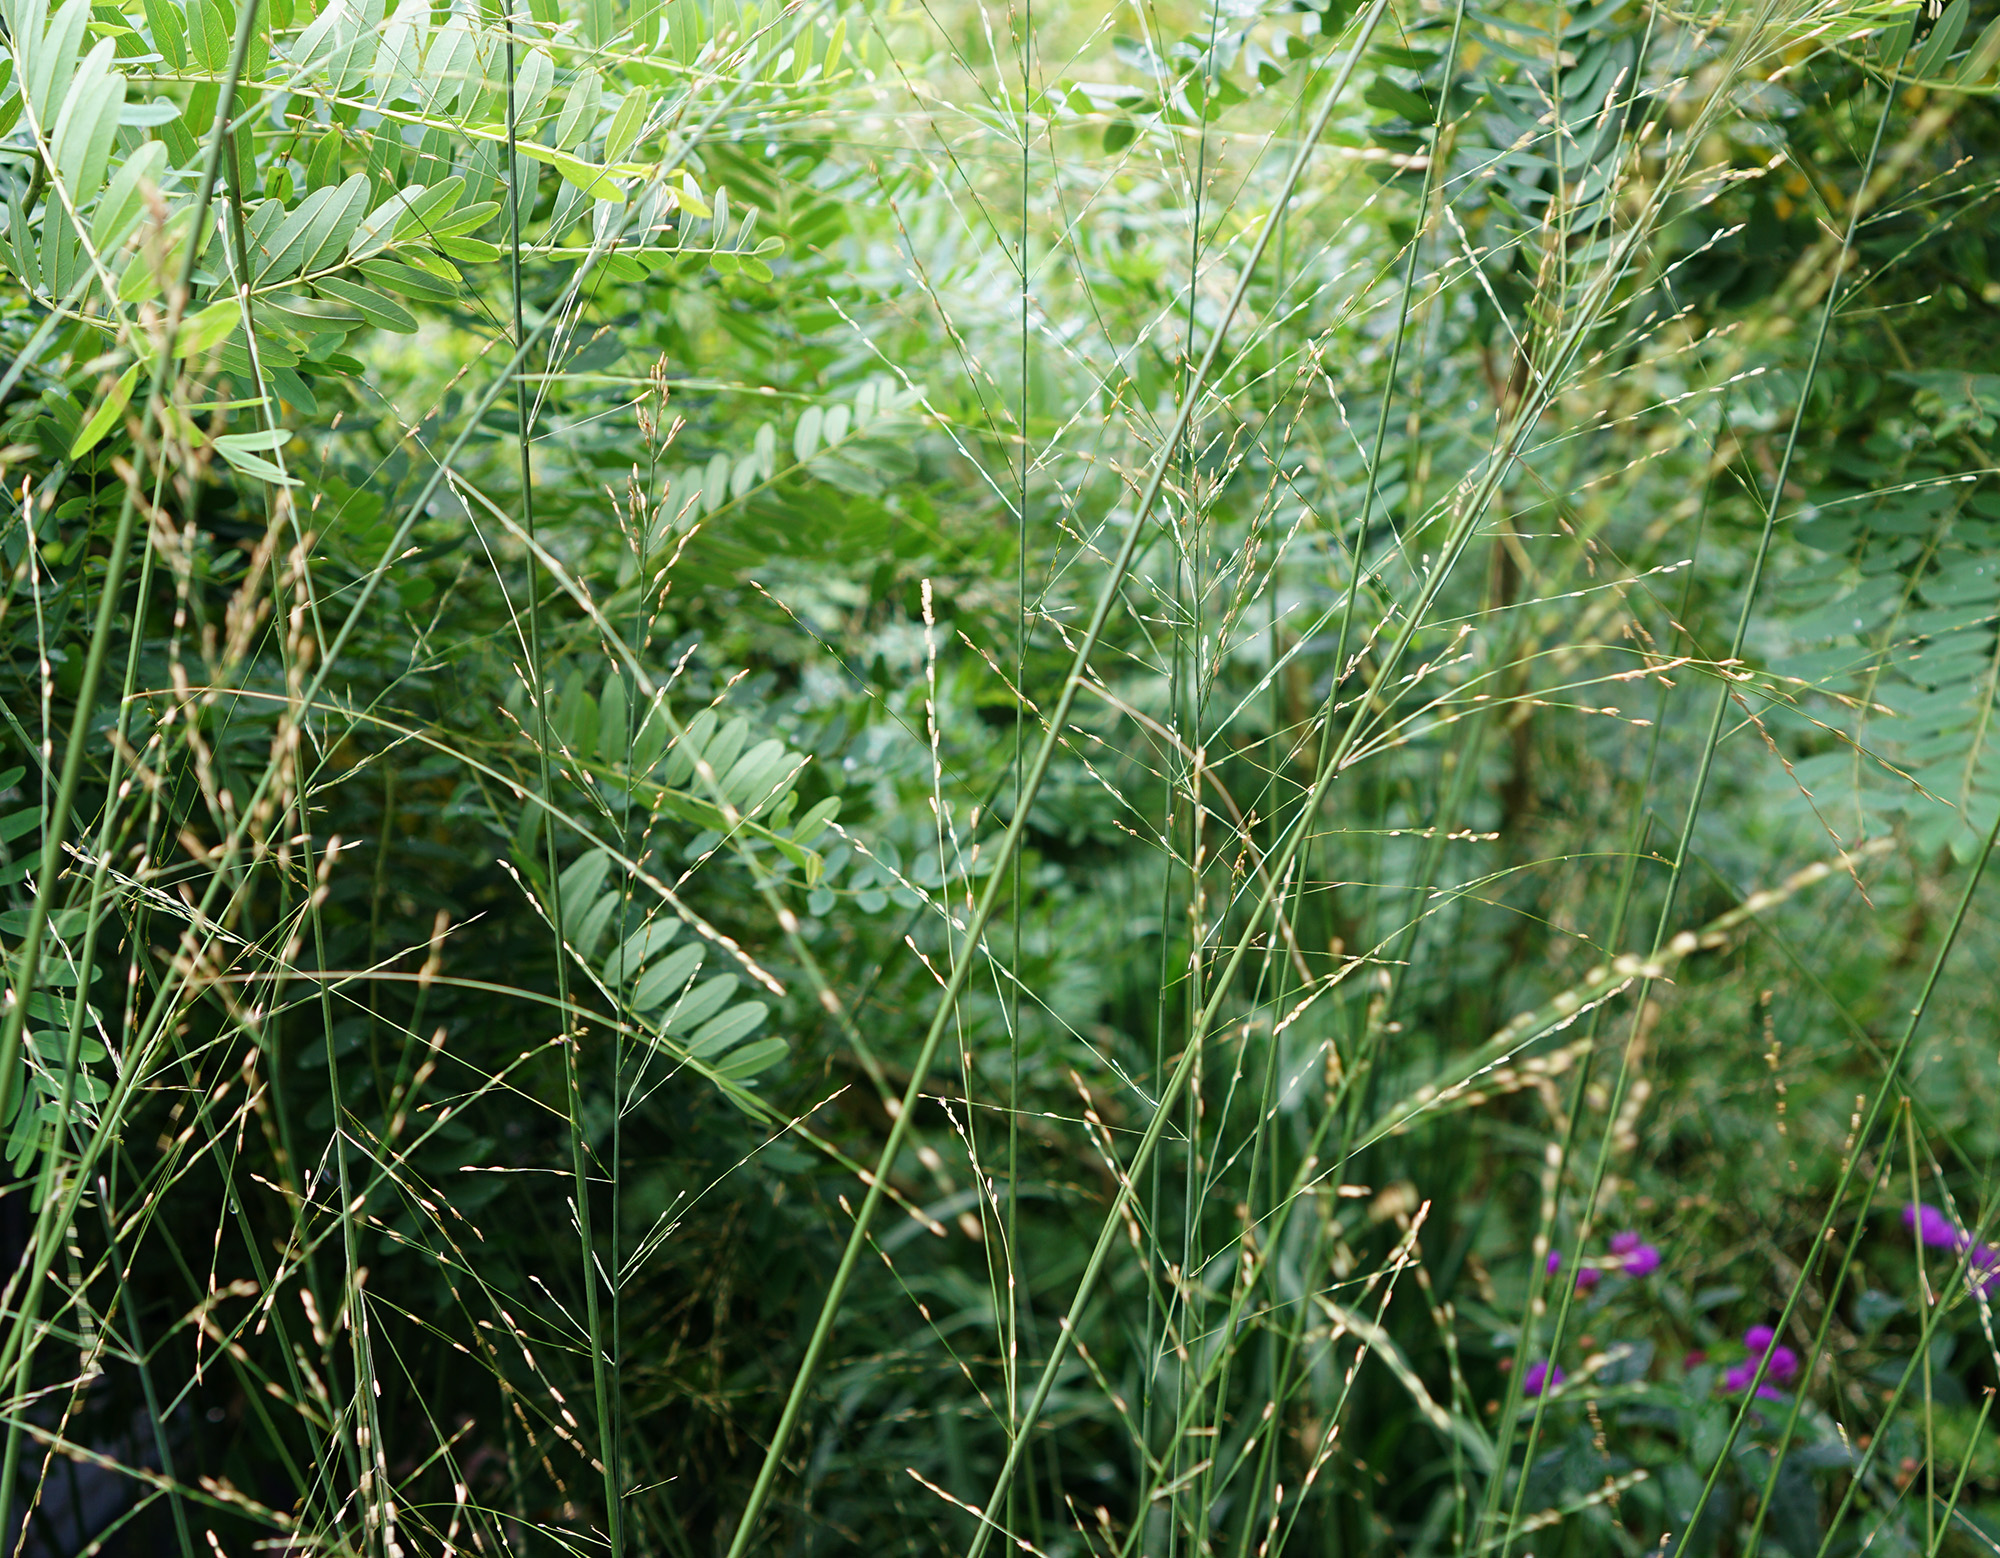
{"type": "Point", "coordinates": [579, 110]}
{"type": "Point", "coordinates": [626, 124]}
{"type": "Point", "coordinates": [208, 36]}
{"type": "Point", "coordinates": [665, 979]}
{"type": "Point", "coordinates": [576, 717]}
{"type": "Point", "coordinates": [752, 1059]}
{"type": "Point", "coordinates": [532, 82]}
{"type": "Point", "coordinates": [805, 437]}
{"type": "Point", "coordinates": [756, 773]}
{"type": "Point", "coordinates": [640, 949]}
{"type": "Point", "coordinates": [277, 258]}
{"type": "Point", "coordinates": [728, 1030]}
{"type": "Point", "coordinates": [239, 449]}
{"type": "Point", "coordinates": [163, 20]}
{"type": "Point", "coordinates": [148, 116]}
{"type": "Point", "coordinates": [426, 207]}
{"type": "Point", "coordinates": [15, 824]}
{"type": "Point", "coordinates": [590, 925]}
{"type": "Point", "coordinates": [375, 230]}
{"type": "Point", "coordinates": [1943, 39]}
{"type": "Point", "coordinates": [699, 1004]}
{"type": "Point", "coordinates": [450, 70]}
{"type": "Point", "coordinates": [262, 438]}
{"type": "Point", "coordinates": [1984, 56]}
{"type": "Point", "coordinates": [208, 329]}
{"type": "Point", "coordinates": [695, 736]}
{"type": "Point", "coordinates": [88, 121]}
{"type": "Point", "coordinates": [596, 182]}
{"type": "Point", "coordinates": [580, 884]}
{"type": "Point", "coordinates": [472, 251]}
{"type": "Point", "coordinates": [611, 725]}
{"type": "Point", "coordinates": [407, 279]}
{"type": "Point", "coordinates": [384, 313]}
{"type": "Point", "coordinates": [651, 740]}
{"type": "Point", "coordinates": [115, 401]}
{"type": "Point", "coordinates": [327, 237]}
{"type": "Point", "coordinates": [814, 823]}
{"type": "Point", "coordinates": [464, 220]}
{"type": "Point", "coordinates": [1385, 93]}
{"type": "Point", "coordinates": [687, 30]}
{"type": "Point", "coordinates": [125, 201]}
{"type": "Point", "coordinates": [54, 59]}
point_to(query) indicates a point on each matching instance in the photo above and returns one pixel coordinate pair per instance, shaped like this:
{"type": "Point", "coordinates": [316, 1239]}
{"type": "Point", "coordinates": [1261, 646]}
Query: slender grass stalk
{"type": "Point", "coordinates": [17, 1354]}
{"type": "Point", "coordinates": [982, 914]}
{"type": "Point", "coordinates": [603, 1389]}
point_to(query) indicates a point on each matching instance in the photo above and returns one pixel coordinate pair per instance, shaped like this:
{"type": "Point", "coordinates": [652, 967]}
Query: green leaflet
{"type": "Point", "coordinates": [115, 400]}
{"type": "Point", "coordinates": [409, 280]}
{"type": "Point", "coordinates": [626, 124]}
{"type": "Point", "coordinates": [757, 778]}
{"type": "Point", "coordinates": [641, 950]}
{"type": "Point", "coordinates": [728, 1030]}
{"type": "Point", "coordinates": [245, 453]}
{"type": "Point", "coordinates": [124, 201]}
{"type": "Point", "coordinates": [698, 1004]}
{"type": "Point", "coordinates": [318, 227]}
{"type": "Point", "coordinates": [169, 32]}
{"type": "Point", "coordinates": [752, 1059]}
{"type": "Point", "coordinates": [52, 61]}
{"type": "Point", "coordinates": [1942, 40]}
{"type": "Point", "coordinates": [665, 980]}
{"type": "Point", "coordinates": [87, 122]}
{"type": "Point", "coordinates": [378, 309]}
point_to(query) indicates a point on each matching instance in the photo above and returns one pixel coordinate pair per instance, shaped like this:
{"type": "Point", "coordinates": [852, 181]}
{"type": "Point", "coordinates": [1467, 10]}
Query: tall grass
{"type": "Point", "coordinates": [1172, 843]}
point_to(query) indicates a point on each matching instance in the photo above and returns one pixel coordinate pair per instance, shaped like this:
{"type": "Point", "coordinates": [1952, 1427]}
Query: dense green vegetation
{"type": "Point", "coordinates": [933, 778]}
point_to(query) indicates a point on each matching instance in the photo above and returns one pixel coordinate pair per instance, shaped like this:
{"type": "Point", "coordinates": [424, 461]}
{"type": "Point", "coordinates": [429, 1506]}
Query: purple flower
{"type": "Point", "coordinates": [1636, 1257]}
{"type": "Point", "coordinates": [1739, 1377]}
{"type": "Point", "coordinates": [1931, 1225]}
{"type": "Point", "coordinates": [1781, 1368]}
{"type": "Point", "coordinates": [1540, 1377]}
{"type": "Point", "coordinates": [1985, 1268]}
{"type": "Point", "coordinates": [1587, 1277]}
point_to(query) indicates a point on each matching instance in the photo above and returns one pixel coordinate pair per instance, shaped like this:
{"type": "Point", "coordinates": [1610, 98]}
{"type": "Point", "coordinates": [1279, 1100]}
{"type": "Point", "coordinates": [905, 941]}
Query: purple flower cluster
{"type": "Point", "coordinates": [1586, 1279]}
{"type": "Point", "coordinates": [1540, 1377]}
{"type": "Point", "coordinates": [1629, 1254]}
{"type": "Point", "coordinates": [1781, 1364]}
{"type": "Point", "coordinates": [1936, 1230]}
{"type": "Point", "coordinates": [1931, 1225]}
{"type": "Point", "coordinates": [1638, 1258]}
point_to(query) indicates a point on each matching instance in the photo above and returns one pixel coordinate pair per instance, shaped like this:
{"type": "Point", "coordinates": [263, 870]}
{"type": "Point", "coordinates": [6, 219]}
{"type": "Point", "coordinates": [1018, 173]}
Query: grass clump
{"type": "Point", "coordinates": [1209, 780]}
